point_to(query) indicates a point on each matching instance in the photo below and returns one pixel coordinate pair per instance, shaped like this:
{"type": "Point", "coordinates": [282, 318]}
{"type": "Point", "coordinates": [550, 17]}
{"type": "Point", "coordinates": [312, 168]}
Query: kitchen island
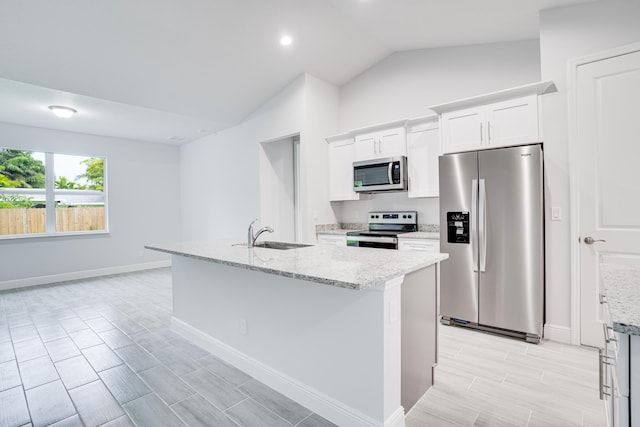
{"type": "Point", "coordinates": [348, 332]}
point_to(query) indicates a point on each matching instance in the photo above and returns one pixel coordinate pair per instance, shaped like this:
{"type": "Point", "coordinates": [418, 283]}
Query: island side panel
{"type": "Point", "coordinates": [334, 341]}
{"type": "Point", "coordinates": [419, 334]}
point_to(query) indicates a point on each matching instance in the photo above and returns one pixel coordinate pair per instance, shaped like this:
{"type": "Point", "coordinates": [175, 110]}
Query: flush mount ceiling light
{"type": "Point", "coordinates": [286, 40]}
{"type": "Point", "coordinates": [62, 112]}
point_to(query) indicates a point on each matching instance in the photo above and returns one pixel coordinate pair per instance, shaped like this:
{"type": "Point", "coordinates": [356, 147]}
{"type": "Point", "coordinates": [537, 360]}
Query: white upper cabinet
{"type": "Point", "coordinates": [498, 119]}
{"type": "Point", "coordinates": [341, 157]}
{"type": "Point", "coordinates": [382, 142]}
{"type": "Point", "coordinates": [500, 124]}
{"type": "Point", "coordinates": [423, 150]}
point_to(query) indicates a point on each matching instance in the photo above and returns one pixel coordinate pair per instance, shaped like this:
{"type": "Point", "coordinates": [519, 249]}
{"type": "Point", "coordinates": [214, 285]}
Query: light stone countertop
{"type": "Point", "coordinates": [622, 289]}
{"type": "Point", "coordinates": [346, 267]}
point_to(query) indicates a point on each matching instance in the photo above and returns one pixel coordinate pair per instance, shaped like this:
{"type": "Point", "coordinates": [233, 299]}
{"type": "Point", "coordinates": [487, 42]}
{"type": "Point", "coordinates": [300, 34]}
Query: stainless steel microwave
{"type": "Point", "coordinates": [388, 174]}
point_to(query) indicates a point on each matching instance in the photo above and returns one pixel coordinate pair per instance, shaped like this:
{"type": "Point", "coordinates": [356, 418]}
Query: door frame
{"type": "Point", "coordinates": [574, 190]}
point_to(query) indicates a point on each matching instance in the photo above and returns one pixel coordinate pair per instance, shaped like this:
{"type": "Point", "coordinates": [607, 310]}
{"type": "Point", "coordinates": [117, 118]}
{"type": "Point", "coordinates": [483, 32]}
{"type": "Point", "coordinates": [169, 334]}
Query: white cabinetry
{"type": "Point", "coordinates": [498, 119]}
{"type": "Point", "coordinates": [423, 149]}
{"type": "Point", "coordinates": [500, 124]}
{"type": "Point", "coordinates": [620, 374]}
{"type": "Point", "coordinates": [424, 245]}
{"type": "Point", "coordinates": [332, 239]}
{"type": "Point", "coordinates": [382, 142]}
{"type": "Point", "coordinates": [341, 158]}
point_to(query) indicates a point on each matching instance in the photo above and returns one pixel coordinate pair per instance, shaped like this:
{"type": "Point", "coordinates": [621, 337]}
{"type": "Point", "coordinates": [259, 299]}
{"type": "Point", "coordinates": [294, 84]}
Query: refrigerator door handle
{"type": "Point", "coordinates": [482, 226]}
{"type": "Point", "coordinates": [473, 219]}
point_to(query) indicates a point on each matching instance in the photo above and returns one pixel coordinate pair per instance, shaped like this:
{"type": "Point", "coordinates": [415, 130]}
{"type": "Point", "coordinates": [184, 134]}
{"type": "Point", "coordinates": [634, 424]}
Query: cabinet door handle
{"type": "Point", "coordinates": [489, 132]}
{"type": "Point", "coordinates": [602, 361]}
{"type": "Point", "coordinates": [481, 138]}
{"type": "Point", "coordinates": [608, 338]}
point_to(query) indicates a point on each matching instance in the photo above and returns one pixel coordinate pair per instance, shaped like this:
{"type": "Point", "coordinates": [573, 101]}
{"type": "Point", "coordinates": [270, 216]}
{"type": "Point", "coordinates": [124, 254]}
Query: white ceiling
{"type": "Point", "coordinates": [172, 70]}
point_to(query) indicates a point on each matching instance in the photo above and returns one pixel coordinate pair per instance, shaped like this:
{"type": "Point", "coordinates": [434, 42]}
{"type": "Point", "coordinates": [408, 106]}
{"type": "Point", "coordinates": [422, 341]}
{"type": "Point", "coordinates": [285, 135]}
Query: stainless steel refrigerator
{"type": "Point", "coordinates": [492, 227]}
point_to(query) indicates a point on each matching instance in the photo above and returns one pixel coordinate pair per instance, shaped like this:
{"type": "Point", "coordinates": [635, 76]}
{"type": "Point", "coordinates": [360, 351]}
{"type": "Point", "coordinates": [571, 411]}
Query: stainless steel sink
{"type": "Point", "coordinates": [279, 245]}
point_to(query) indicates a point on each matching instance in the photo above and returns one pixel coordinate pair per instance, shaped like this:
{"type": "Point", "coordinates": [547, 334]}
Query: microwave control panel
{"type": "Point", "coordinates": [458, 227]}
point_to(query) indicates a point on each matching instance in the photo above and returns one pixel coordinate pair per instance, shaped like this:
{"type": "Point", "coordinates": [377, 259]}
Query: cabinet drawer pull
{"type": "Point", "coordinates": [602, 361]}
{"type": "Point", "coordinates": [607, 338]}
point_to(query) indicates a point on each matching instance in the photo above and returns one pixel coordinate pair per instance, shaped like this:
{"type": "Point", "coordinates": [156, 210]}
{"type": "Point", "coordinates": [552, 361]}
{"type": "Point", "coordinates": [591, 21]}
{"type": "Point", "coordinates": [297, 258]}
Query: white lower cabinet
{"type": "Point", "coordinates": [634, 380]}
{"type": "Point", "coordinates": [332, 239]}
{"type": "Point", "coordinates": [620, 378]}
{"type": "Point", "coordinates": [424, 245]}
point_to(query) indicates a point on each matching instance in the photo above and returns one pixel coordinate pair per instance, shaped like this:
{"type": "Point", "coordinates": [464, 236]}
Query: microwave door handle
{"type": "Point", "coordinates": [389, 173]}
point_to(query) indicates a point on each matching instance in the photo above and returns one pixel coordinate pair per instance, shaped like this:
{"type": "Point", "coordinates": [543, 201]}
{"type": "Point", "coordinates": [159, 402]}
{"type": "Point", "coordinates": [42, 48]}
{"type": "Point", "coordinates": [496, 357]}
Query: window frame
{"type": "Point", "coordinates": [50, 192]}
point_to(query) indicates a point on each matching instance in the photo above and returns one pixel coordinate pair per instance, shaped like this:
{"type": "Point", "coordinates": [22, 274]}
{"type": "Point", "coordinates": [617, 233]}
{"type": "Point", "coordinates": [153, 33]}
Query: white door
{"type": "Point", "coordinates": [608, 144]}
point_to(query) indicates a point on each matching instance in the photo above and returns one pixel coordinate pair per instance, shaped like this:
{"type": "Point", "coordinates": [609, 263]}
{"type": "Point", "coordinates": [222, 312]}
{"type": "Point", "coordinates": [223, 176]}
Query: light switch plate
{"type": "Point", "coordinates": [556, 213]}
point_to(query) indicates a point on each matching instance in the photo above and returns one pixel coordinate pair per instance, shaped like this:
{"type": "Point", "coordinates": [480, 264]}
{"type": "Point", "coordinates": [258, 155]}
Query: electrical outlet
{"type": "Point", "coordinates": [243, 326]}
{"type": "Point", "coordinates": [556, 213]}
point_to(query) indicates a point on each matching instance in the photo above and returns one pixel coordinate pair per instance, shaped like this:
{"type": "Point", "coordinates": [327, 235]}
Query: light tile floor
{"type": "Point", "coordinates": [100, 352]}
{"type": "Point", "coordinates": [487, 380]}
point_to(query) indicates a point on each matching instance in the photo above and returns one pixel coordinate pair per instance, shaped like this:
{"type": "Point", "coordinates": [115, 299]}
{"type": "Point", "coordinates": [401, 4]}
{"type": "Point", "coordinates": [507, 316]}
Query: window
{"type": "Point", "coordinates": [49, 193]}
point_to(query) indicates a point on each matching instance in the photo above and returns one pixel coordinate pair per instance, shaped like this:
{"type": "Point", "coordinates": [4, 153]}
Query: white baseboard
{"type": "Point", "coordinates": [318, 402]}
{"type": "Point", "coordinates": [77, 275]}
{"type": "Point", "coordinates": [557, 333]}
{"type": "Point", "coordinates": [396, 419]}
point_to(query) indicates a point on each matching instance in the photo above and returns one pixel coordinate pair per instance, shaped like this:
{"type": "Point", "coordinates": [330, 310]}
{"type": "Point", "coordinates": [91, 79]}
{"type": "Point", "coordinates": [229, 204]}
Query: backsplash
{"type": "Point", "coordinates": [429, 228]}
{"type": "Point", "coordinates": [346, 226]}
{"type": "Point", "coordinates": [356, 211]}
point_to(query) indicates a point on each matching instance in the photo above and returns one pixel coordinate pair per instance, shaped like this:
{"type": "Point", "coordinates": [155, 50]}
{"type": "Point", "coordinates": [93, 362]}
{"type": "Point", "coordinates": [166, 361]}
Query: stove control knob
{"type": "Point", "coordinates": [409, 216]}
{"type": "Point", "coordinates": [404, 216]}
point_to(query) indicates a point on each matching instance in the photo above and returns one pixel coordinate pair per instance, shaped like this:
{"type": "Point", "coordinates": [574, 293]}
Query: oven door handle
{"type": "Point", "coordinates": [373, 239]}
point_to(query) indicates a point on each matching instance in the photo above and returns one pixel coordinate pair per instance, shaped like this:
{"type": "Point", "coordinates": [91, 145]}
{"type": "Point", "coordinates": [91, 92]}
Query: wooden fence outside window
{"type": "Point", "coordinates": [33, 220]}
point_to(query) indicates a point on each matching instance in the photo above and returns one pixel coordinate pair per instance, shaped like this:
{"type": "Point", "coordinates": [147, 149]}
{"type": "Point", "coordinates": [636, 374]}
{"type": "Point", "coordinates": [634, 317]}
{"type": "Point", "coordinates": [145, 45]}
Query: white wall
{"type": "Point", "coordinates": [220, 173]}
{"type": "Point", "coordinates": [565, 34]}
{"type": "Point", "coordinates": [144, 207]}
{"type": "Point", "coordinates": [405, 84]}
{"type": "Point", "coordinates": [320, 121]}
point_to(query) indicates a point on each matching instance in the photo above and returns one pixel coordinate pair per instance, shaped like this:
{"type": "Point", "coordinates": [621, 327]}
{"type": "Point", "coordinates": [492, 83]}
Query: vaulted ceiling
{"type": "Point", "coordinates": [173, 70]}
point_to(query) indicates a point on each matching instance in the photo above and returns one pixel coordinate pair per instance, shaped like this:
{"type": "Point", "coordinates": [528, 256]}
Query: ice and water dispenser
{"type": "Point", "coordinates": [458, 227]}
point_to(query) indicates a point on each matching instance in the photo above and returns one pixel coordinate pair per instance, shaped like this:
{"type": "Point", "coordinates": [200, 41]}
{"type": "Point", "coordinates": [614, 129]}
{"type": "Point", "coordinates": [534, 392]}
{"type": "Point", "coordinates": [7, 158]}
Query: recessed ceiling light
{"type": "Point", "coordinates": [286, 40]}
{"type": "Point", "coordinates": [62, 112]}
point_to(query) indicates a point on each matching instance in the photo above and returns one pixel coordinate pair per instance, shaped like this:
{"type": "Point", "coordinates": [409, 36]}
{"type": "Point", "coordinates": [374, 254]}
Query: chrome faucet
{"type": "Point", "coordinates": [251, 238]}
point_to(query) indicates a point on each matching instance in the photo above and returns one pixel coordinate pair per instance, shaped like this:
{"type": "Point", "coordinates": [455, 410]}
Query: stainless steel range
{"type": "Point", "coordinates": [384, 228]}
